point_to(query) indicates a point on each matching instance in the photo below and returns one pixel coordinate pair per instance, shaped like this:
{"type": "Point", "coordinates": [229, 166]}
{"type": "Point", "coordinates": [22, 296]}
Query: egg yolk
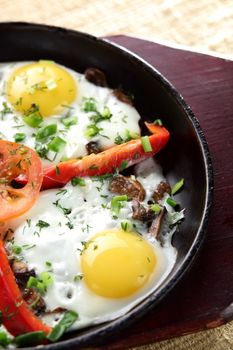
{"type": "Point", "coordinates": [43, 83]}
{"type": "Point", "coordinates": [116, 263]}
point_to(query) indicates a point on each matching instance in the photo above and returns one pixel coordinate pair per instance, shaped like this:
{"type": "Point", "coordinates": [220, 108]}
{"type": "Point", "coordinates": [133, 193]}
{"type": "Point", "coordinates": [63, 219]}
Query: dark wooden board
{"type": "Point", "coordinates": [204, 297]}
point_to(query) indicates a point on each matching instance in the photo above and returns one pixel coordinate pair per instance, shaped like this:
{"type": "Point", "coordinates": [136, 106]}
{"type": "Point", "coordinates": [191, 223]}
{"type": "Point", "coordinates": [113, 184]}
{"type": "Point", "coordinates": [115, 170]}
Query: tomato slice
{"type": "Point", "coordinates": [16, 159]}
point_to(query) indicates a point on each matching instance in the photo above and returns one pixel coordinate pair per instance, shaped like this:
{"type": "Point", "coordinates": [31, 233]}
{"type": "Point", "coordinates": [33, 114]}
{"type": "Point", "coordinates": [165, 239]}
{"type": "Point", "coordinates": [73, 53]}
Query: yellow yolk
{"type": "Point", "coordinates": [43, 83]}
{"type": "Point", "coordinates": [116, 263]}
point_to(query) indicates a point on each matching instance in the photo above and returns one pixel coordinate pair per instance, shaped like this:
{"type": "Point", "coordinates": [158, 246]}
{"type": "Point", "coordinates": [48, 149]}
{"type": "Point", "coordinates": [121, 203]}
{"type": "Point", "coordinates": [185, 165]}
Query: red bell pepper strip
{"type": "Point", "coordinates": [105, 162]}
{"type": "Point", "coordinates": [16, 315]}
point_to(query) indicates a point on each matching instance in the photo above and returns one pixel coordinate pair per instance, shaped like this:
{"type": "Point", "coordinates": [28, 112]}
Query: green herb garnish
{"type": "Point", "coordinates": [78, 181]}
{"type": "Point", "coordinates": [177, 186]}
{"type": "Point", "coordinates": [57, 144]}
{"type": "Point", "coordinates": [146, 144]}
{"type": "Point", "coordinates": [19, 136]}
{"type": "Point", "coordinates": [66, 322]}
{"type": "Point", "coordinates": [46, 131]}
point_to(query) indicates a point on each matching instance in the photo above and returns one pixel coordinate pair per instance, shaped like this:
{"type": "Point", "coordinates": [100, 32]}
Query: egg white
{"type": "Point", "coordinates": [124, 118]}
{"type": "Point", "coordinates": [60, 245]}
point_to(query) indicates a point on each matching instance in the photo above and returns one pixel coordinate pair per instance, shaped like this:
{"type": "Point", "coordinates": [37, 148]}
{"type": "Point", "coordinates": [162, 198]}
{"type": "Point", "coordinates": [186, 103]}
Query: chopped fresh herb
{"type": "Point", "coordinates": [4, 340]}
{"type": "Point", "coordinates": [41, 283]}
{"type": "Point", "coordinates": [78, 181]}
{"type": "Point", "coordinates": [158, 122]}
{"type": "Point", "coordinates": [33, 117]}
{"type": "Point", "coordinates": [57, 144]}
{"type": "Point", "coordinates": [172, 202]}
{"type": "Point", "coordinates": [106, 114]}
{"type": "Point", "coordinates": [123, 165]}
{"type": "Point", "coordinates": [92, 130]}
{"type": "Point", "coordinates": [66, 322]}
{"type": "Point", "coordinates": [66, 211]}
{"type": "Point", "coordinates": [78, 277]}
{"type": "Point", "coordinates": [46, 131]}
{"type": "Point", "coordinates": [156, 208]}
{"type": "Point", "coordinates": [16, 249]}
{"type": "Point", "coordinates": [48, 264]}
{"type": "Point", "coordinates": [89, 105]}
{"type": "Point", "coordinates": [57, 170]}
{"type": "Point", "coordinates": [29, 339]}
{"type": "Point", "coordinates": [116, 204]}
{"type": "Point", "coordinates": [19, 136]}
{"type": "Point", "coordinates": [177, 186]}
{"type": "Point", "coordinates": [70, 225]}
{"type": "Point", "coordinates": [5, 110]}
{"type": "Point", "coordinates": [119, 140]}
{"type": "Point", "coordinates": [93, 167]}
{"type": "Point", "coordinates": [42, 224]}
{"type": "Point", "coordinates": [62, 191]}
{"type": "Point", "coordinates": [126, 225]}
{"type": "Point", "coordinates": [68, 121]}
{"type": "Point", "coordinates": [129, 135]}
{"type": "Point", "coordinates": [146, 144]}
{"type": "Point", "coordinates": [42, 151]}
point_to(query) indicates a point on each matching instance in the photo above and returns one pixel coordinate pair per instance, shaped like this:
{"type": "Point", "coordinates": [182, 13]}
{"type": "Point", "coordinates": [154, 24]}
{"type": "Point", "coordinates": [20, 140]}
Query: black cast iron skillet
{"type": "Point", "coordinates": [186, 155]}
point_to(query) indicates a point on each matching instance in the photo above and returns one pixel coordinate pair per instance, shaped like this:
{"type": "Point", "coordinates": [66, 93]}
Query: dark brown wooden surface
{"type": "Point", "coordinates": [204, 297]}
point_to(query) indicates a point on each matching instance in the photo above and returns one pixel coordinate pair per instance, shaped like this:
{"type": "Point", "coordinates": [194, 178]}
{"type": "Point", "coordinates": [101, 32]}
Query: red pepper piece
{"type": "Point", "coordinates": [107, 161]}
{"type": "Point", "coordinates": [16, 315]}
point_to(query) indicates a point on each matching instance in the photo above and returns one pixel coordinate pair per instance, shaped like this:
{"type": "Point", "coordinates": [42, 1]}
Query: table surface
{"type": "Point", "coordinates": [204, 298]}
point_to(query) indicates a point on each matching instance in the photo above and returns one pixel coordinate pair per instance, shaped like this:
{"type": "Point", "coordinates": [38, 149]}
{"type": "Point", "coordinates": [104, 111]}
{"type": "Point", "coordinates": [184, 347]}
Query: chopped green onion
{"type": "Point", "coordinates": [130, 135]}
{"type": "Point", "coordinates": [177, 186]}
{"type": "Point", "coordinates": [126, 225]}
{"type": "Point", "coordinates": [33, 117]}
{"type": "Point", "coordinates": [68, 121]}
{"type": "Point", "coordinates": [4, 340]}
{"type": "Point", "coordinates": [78, 181]}
{"type": "Point", "coordinates": [16, 249]}
{"type": "Point", "coordinates": [116, 203]}
{"type": "Point", "coordinates": [89, 105]}
{"type": "Point", "coordinates": [171, 202]}
{"type": "Point", "coordinates": [46, 131]}
{"type": "Point", "coordinates": [31, 338]}
{"type": "Point", "coordinates": [106, 113]}
{"type": "Point", "coordinates": [51, 84]}
{"type": "Point", "coordinates": [118, 140]}
{"type": "Point", "coordinates": [92, 130]}
{"type": "Point", "coordinates": [158, 122]}
{"type": "Point", "coordinates": [19, 136]}
{"type": "Point", "coordinates": [123, 165]}
{"type": "Point", "coordinates": [146, 144]}
{"type": "Point", "coordinates": [41, 283]}
{"type": "Point", "coordinates": [48, 264]}
{"type": "Point", "coordinates": [57, 144]}
{"type": "Point", "coordinates": [156, 208]}
{"type": "Point", "coordinates": [66, 322]}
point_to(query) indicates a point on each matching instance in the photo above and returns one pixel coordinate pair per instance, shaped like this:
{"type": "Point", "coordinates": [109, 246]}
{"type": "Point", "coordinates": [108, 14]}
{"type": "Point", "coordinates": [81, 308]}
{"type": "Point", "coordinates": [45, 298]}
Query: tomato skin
{"type": "Point", "coordinates": [16, 159]}
{"type": "Point", "coordinates": [107, 161]}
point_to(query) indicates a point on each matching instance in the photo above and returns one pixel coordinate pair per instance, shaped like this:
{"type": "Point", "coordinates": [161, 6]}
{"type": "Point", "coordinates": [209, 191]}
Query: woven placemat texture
{"type": "Point", "coordinates": [201, 24]}
{"type": "Point", "coordinates": [205, 25]}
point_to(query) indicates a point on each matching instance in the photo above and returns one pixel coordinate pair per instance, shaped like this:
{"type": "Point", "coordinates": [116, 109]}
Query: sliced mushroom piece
{"type": "Point", "coordinates": [21, 272]}
{"type": "Point", "coordinates": [141, 213]}
{"type": "Point", "coordinates": [156, 224]}
{"type": "Point", "coordinates": [96, 76]}
{"type": "Point", "coordinates": [93, 147]}
{"type": "Point", "coordinates": [162, 188]}
{"type": "Point", "coordinates": [121, 96]}
{"type": "Point", "coordinates": [34, 300]}
{"type": "Point", "coordinates": [125, 185]}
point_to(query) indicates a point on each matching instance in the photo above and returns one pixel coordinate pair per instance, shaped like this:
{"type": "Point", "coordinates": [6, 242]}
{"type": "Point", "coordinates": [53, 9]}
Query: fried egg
{"type": "Point", "coordinates": [102, 262]}
{"type": "Point", "coordinates": [56, 111]}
